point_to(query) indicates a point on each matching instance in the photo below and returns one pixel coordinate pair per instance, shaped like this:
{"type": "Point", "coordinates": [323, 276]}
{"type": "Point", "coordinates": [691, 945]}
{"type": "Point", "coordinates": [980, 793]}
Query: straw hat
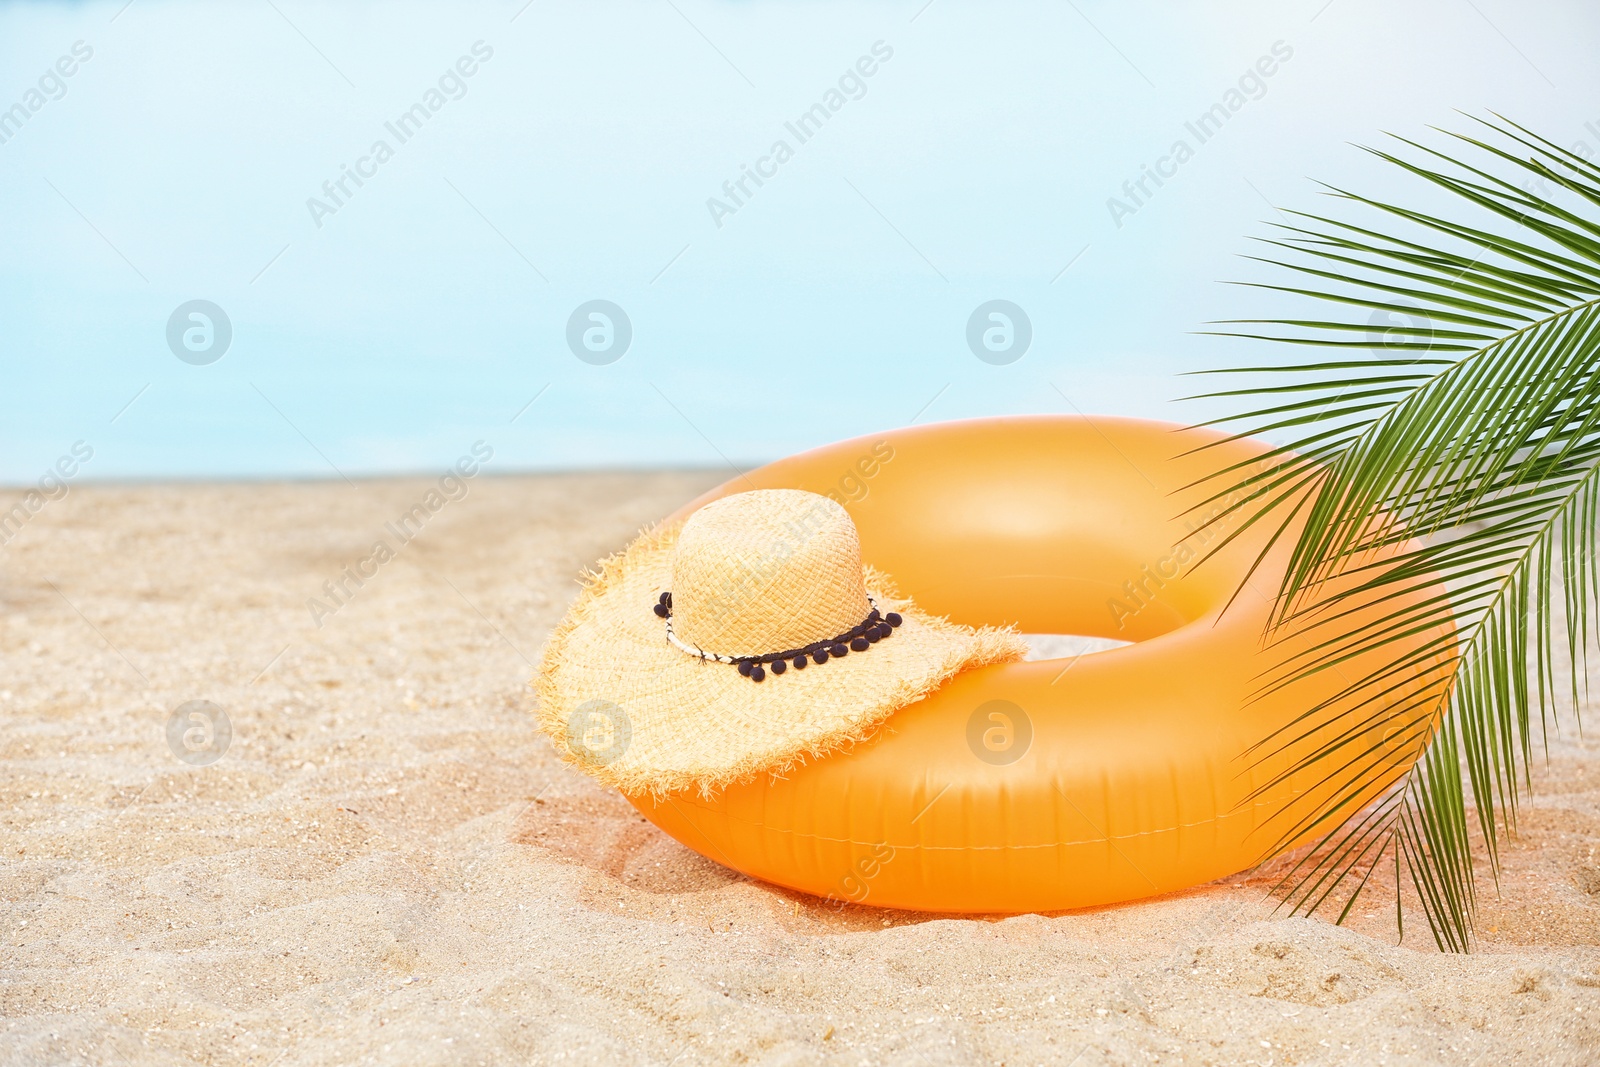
{"type": "Point", "coordinates": [739, 642]}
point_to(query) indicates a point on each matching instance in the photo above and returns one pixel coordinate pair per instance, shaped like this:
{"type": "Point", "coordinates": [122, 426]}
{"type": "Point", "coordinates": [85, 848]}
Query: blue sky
{"type": "Point", "coordinates": [575, 163]}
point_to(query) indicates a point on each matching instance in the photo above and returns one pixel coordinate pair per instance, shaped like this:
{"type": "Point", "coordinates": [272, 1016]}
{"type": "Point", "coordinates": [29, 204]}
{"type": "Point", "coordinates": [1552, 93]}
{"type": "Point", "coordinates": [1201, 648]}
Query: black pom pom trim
{"type": "Point", "coordinates": [875, 627]}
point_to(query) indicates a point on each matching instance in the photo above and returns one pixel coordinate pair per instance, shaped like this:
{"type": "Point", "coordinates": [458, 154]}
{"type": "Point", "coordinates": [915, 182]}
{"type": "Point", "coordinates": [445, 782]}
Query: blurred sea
{"type": "Point", "coordinates": [290, 239]}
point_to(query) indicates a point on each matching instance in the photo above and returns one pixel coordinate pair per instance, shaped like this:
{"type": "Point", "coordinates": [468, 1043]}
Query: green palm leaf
{"type": "Point", "coordinates": [1474, 427]}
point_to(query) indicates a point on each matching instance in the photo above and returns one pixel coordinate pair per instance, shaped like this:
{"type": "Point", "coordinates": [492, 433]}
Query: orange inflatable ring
{"type": "Point", "coordinates": [1045, 785]}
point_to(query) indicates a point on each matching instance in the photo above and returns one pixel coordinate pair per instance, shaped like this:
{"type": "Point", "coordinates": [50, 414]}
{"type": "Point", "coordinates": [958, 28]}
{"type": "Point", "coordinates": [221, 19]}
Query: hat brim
{"type": "Point", "coordinates": [635, 712]}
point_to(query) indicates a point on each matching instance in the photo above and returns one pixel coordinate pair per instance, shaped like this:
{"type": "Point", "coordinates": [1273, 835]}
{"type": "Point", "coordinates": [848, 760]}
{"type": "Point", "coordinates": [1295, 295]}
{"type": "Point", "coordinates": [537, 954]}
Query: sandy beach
{"type": "Point", "coordinates": [390, 865]}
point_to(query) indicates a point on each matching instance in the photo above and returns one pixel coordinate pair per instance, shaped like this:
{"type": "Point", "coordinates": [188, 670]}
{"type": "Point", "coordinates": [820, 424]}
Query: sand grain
{"type": "Point", "coordinates": [390, 866]}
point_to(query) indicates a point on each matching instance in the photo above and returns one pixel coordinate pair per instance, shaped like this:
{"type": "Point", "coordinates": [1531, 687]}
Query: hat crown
{"type": "Point", "coordinates": [766, 571]}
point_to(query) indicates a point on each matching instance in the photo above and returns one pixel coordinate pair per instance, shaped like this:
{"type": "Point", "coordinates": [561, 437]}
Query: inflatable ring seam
{"type": "Point", "coordinates": [1044, 521]}
{"type": "Point", "coordinates": [790, 832]}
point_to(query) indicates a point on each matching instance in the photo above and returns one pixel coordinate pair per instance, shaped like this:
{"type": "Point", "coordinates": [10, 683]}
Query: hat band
{"type": "Point", "coordinates": [874, 628]}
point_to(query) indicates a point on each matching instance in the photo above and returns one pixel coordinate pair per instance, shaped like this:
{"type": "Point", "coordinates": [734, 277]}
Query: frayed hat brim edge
{"type": "Point", "coordinates": [980, 647]}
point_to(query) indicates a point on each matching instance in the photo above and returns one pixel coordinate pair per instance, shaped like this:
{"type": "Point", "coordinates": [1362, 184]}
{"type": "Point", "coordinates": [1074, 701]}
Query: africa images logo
{"type": "Point", "coordinates": [599, 332]}
{"type": "Point", "coordinates": [451, 85]}
{"type": "Point", "coordinates": [199, 332]}
{"type": "Point", "coordinates": [999, 732]}
{"type": "Point", "coordinates": [52, 85]}
{"type": "Point", "coordinates": [199, 732]}
{"type": "Point", "coordinates": [1251, 85]}
{"type": "Point", "coordinates": [851, 85]}
{"type": "Point", "coordinates": [999, 332]}
{"type": "Point", "coordinates": [598, 732]}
